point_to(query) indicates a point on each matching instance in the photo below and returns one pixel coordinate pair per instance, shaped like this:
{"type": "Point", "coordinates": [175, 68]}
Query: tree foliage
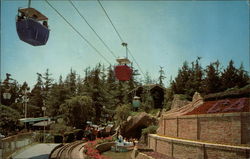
{"type": "Point", "coordinates": [209, 80]}
{"type": "Point", "coordinates": [9, 119]}
{"type": "Point", "coordinates": [98, 96]}
{"type": "Point", "coordinates": [122, 113]}
{"type": "Point", "coordinates": [77, 110]}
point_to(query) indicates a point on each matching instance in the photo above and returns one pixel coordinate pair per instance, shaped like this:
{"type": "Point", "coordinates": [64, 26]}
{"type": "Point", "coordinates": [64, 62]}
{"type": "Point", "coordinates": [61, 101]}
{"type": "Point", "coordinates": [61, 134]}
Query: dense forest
{"type": "Point", "coordinates": [97, 96]}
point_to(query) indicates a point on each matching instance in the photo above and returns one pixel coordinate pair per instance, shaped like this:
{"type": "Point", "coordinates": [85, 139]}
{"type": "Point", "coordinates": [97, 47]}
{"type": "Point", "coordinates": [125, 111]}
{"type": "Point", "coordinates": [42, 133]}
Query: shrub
{"type": "Point", "coordinates": [149, 130]}
{"type": "Point", "coordinates": [122, 113]}
{"type": "Point", "coordinates": [70, 137]}
{"type": "Point", "coordinates": [78, 134]}
{"type": "Point", "coordinates": [9, 120]}
{"type": "Point", "coordinates": [58, 139]}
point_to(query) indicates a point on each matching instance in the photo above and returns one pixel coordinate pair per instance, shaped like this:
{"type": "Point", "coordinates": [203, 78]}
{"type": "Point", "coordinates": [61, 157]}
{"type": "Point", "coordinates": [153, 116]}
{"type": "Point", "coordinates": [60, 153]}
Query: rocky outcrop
{"type": "Point", "coordinates": [196, 102]}
{"type": "Point", "coordinates": [132, 128]}
{"type": "Point", "coordinates": [105, 146]}
{"type": "Point", "coordinates": [178, 101]}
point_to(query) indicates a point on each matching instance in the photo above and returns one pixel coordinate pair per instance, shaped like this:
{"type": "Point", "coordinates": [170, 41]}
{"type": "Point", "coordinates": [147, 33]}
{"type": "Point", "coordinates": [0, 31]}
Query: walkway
{"type": "Point", "coordinates": [39, 151]}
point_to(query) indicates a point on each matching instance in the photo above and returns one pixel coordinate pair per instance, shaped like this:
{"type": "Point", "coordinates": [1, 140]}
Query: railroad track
{"type": "Point", "coordinates": [68, 151]}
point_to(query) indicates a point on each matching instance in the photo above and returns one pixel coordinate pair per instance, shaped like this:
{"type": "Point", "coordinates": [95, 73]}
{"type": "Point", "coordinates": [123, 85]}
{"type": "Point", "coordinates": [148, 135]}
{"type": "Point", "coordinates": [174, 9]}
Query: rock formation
{"type": "Point", "coordinates": [132, 128]}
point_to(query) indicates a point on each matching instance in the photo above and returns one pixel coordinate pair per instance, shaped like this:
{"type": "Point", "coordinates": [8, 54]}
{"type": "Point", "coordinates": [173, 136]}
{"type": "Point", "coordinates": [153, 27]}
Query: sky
{"type": "Point", "coordinates": [158, 33]}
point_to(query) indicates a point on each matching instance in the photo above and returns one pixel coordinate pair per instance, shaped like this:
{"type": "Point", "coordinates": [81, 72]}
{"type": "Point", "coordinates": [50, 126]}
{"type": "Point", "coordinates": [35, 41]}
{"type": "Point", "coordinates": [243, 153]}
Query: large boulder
{"type": "Point", "coordinates": [132, 128]}
{"type": "Point", "coordinates": [179, 101]}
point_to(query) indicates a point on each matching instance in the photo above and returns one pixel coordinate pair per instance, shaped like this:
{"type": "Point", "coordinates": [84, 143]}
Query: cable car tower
{"type": "Point", "coordinates": [122, 71]}
{"type": "Point", "coordinates": [32, 26]}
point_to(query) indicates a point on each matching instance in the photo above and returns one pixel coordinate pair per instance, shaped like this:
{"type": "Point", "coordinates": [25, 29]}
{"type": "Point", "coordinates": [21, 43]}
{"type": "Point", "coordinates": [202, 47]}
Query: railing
{"type": "Point", "coordinates": [13, 143]}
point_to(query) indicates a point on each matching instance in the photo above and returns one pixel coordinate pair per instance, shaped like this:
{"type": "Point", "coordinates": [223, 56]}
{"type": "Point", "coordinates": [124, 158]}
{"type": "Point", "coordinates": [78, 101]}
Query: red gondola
{"type": "Point", "coordinates": [122, 71]}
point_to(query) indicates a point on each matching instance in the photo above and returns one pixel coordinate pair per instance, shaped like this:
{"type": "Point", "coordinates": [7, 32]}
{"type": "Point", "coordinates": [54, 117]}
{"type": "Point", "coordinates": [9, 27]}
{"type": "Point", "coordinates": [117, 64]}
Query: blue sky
{"type": "Point", "coordinates": [158, 33]}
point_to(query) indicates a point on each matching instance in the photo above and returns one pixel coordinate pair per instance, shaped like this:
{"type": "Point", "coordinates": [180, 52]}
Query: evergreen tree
{"type": "Point", "coordinates": [148, 79]}
{"type": "Point", "coordinates": [77, 110]}
{"type": "Point", "coordinates": [47, 83]}
{"type": "Point", "coordinates": [212, 81]}
{"type": "Point", "coordinates": [23, 96]}
{"type": "Point", "coordinates": [11, 87]}
{"type": "Point", "coordinates": [37, 96]}
{"type": "Point", "coordinates": [229, 76]}
{"type": "Point", "coordinates": [194, 83]}
{"type": "Point", "coordinates": [71, 82]}
{"type": "Point", "coordinates": [161, 77]}
{"type": "Point", "coordinates": [179, 84]}
{"type": "Point", "coordinates": [243, 77]}
{"type": "Point", "coordinates": [79, 86]}
{"type": "Point", "coordinates": [57, 97]}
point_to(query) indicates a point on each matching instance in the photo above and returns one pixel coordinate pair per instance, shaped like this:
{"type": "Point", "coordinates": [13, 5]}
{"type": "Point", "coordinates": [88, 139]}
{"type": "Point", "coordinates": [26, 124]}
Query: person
{"type": "Point", "coordinates": [45, 23]}
{"type": "Point", "coordinates": [20, 17]}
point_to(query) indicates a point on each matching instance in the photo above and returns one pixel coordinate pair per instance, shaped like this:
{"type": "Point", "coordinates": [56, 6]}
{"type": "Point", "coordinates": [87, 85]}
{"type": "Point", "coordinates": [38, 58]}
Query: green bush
{"type": "Point", "coordinates": [154, 111]}
{"type": "Point", "coordinates": [145, 107]}
{"type": "Point", "coordinates": [122, 113]}
{"type": "Point", "coordinates": [9, 120]}
{"type": "Point", "coordinates": [49, 138]}
{"type": "Point", "coordinates": [58, 139]}
{"type": "Point", "coordinates": [78, 134]}
{"type": "Point", "coordinates": [69, 136]}
{"type": "Point", "coordinates": [38, 137]}
{"type": "Point", "coordinates": [149, 130]}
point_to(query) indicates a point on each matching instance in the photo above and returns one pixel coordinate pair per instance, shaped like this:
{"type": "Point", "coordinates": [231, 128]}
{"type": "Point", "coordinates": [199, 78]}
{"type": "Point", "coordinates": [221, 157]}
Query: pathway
{"type": "Point", "coordinates": [39, 151]}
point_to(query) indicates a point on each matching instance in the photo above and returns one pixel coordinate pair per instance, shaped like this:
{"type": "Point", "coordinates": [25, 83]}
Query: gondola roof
{"type": "Point", "coordinates": [31, 12]}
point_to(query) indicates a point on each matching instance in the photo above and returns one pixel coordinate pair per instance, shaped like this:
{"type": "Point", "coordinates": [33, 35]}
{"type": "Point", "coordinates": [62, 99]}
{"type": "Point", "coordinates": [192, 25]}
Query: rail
{"type": "Point", "coordinates": [67, 151]}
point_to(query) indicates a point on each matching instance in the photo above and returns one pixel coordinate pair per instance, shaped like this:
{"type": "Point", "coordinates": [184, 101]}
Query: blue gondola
{"type": "Point", "coordinates": [30, 27]}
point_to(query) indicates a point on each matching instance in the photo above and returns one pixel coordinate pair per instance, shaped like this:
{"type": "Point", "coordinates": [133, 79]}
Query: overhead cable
{"type": "Point", "coordinates": [121, 39]}
{"type": "Point", "coordinates": [110, 21]}
{"type": "Point", "coordinates": [88, 42]}
{"type": "Point", "coordinates": [81, 15]}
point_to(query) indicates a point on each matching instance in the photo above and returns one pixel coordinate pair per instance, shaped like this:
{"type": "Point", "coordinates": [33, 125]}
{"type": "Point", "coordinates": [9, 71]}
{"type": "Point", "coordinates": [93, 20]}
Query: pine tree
{"type": "Point", "coordinates": [212, 81]}
{"type": "Point", "coordinates": [161, 77]}
{"type": "Point", "coordinates": [194, 83]}
{"type": "Point", "coordinates": [71, 82]}
{"type": "Point", "coordinates": [37, 96]}
{"type": "Point", "coordinates": [229, 76]}
{"type": "Point", "coordinates": [59, 93]}
{"type": "Point", "coordinates": [179, 84]}
{"type": "Point", "coordinates": [47, 83]}
{"type": "Point", "coordinates": [243, 77]}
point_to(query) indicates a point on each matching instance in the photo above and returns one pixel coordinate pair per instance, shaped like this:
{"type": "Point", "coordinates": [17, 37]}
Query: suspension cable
{"type": "Point", "coordinates": [88, 42]}
{"type": "Point", "coordinates": [81, 15]}
{"type": "Point", "coordinates": [119, 35]}
{"type": "Point", "coordinates": [110, 21]}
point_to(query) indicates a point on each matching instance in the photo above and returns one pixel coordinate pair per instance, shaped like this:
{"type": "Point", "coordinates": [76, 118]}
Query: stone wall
{"type": "Point", "coordinates": [14, 143]}
{"type": "Point", "coordinates": [186, 149]}
{"type": "Point", "coordinates": [230, 128]}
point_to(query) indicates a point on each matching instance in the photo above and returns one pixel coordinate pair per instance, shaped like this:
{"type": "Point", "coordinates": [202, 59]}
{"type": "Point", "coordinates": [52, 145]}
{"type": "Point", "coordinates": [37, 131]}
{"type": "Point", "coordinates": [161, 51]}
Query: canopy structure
{"type": "Point", "coordinates": [123, 61]}
{"type": "Point", "coordinates": [30, 120]}
{"type": "Point", "coordinates": [44, 123]}
{"type": "Point", "coordinates": [33, 13]}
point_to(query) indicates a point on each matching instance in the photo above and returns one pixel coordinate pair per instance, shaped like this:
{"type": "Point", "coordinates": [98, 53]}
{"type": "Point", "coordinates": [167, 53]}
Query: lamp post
{"type": "Point", "coordinates": [44, 109]}
{"type": "Point", "coordinates": [25, 101]}
{"type": "Point", "coordinates": [6, 94]}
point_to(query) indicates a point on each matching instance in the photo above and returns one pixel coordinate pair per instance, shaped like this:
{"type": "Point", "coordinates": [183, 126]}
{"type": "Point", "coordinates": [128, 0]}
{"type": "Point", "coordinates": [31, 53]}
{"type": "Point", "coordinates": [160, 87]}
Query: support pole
{"type": "Point", "coordinates": [126, 45]}
{"type": "Point", "coordinates": [29, 3]}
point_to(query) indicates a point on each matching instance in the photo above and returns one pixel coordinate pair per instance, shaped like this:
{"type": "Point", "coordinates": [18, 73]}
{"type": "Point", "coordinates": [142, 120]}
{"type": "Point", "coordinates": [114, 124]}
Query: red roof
{"type": "Point", "coordinates": [223, 106]}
